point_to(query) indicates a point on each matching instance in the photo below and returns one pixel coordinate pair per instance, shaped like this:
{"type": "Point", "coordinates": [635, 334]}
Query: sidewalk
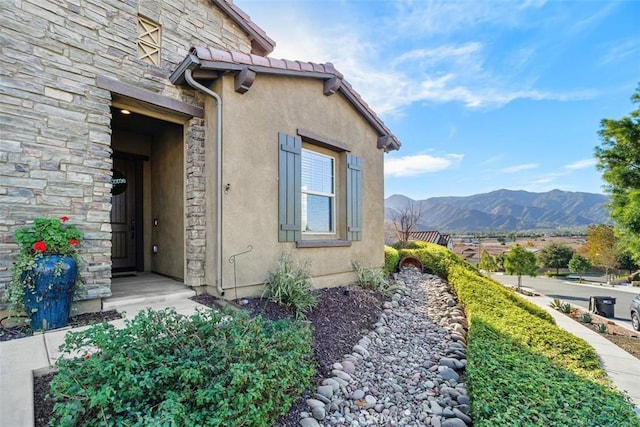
{"type": "Point", "coordinates": [19, 359]}
{"type": "Point", "coordinates": [622, 367]}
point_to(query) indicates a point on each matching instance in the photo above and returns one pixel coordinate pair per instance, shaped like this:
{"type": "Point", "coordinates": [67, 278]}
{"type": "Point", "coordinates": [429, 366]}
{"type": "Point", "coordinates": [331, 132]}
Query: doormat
{"type": "Point", "coordinates": [121, 275]}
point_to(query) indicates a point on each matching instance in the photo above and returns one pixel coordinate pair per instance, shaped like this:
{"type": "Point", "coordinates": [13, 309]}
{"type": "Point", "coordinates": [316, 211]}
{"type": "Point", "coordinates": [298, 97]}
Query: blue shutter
{"type": "Point", "coordinates": [354, 198]}
{"type": "Point", "coordinates": [289, 191]}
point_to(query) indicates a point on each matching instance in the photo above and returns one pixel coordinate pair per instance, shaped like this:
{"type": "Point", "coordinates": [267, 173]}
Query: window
{"type": "Point", "coordinates": [148, 41]}
{"type": "Point", "coordinates": [318, 193]}
{"type": "Point", "coordinates": [309, 199]}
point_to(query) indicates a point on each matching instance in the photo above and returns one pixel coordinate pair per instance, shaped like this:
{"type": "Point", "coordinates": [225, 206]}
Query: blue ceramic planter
{"type": "Point", "coordinates": [48, 301]}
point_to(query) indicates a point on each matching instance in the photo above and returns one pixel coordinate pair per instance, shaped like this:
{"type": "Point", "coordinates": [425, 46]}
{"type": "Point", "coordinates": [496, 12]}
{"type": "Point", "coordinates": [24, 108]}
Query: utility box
{"type": "Point", "coordinates": [602, 306]}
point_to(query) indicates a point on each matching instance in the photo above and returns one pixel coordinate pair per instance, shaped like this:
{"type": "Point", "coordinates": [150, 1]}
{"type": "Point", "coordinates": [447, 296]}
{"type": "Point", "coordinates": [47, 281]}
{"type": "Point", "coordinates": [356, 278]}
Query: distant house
{"type": "Point", "coordinates": [470, 255]}
{"type": "Point", "coordinates": [168, 135]}
{"type": "Point", "coordinates": [432, 237]}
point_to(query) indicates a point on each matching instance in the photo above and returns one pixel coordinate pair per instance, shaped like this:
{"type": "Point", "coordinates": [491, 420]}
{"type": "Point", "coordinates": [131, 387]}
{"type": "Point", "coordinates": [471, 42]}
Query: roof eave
{"type": "Point", "coordinates": [336, 83]}
{"type": "Point", "coordinates": [261, 44]}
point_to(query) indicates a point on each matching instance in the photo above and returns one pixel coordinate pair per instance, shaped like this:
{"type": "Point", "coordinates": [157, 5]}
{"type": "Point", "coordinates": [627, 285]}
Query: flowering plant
{"type": "Point", "coordinates": [46, 236]}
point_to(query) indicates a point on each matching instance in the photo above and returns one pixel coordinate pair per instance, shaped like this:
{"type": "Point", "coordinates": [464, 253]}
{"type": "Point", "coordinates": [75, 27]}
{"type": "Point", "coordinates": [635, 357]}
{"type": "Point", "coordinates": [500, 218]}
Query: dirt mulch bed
{"type": "Point", "coordinates": [343, 316]}
{"type": "Point", "coordinates": [620, 336]}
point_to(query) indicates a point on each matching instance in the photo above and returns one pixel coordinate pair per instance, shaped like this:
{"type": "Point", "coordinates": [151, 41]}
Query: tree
{"type": "Point", "coordinates": [619, 160]}
{"type": "Point", "coordinates": [579, 265]}
{"type": "Point", "coordinates": [626, 261]}
{"type": "Point", "coordinates": [405, 221]}
{"type": "Point", "coordinates": [500, 262]}
{"type": "Point", "coordinates": [601, 248]}
{"type": "Point", "coordinates": [555, 255]}
{"type": "Point", "coordinates": [487, 262]}
{"type": "Point", "coordinates": [520, 261]}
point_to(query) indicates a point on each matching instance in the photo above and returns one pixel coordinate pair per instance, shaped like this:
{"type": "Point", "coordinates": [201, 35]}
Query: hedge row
{"type": "Point", "coordinates": [522, 369]}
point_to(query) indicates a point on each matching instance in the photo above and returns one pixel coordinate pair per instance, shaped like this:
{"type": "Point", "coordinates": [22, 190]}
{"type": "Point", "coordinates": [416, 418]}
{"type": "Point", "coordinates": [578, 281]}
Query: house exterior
{"type": "Point", "coordinates": [433, 236]}
{"type": "Point", "coordinates": [165, 132]}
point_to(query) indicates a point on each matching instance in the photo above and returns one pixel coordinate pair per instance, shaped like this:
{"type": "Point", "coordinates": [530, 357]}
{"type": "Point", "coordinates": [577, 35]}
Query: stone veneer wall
{"type": "Point", "coordinates": [55, 136]}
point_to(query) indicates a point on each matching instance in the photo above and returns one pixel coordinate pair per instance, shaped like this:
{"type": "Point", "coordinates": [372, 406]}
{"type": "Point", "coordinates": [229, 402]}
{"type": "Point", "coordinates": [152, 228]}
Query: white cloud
{"type": "Point", "coordinates": [518, 168]}
{"type": "Point", "coordinates": [419, 164]}
{"type": "Point", "coordinates": [581, 164]}
{"type": "Point", "coordinates": [439, 53]}
{"type": "Point", "coordinates": [435, 17]}
{"type": "Point", "coordinates": [405, 67]}
{"type": "Point", "coordinates": [620, 51]}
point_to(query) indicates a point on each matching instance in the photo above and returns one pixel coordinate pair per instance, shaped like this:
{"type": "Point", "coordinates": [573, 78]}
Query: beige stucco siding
{"type": "Point", "coordinates": [250, 157]}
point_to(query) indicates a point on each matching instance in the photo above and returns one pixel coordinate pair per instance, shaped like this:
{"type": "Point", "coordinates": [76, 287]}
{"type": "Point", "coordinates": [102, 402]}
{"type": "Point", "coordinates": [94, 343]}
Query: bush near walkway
{"type": "Point", "coordinates": [164, 368]}
{"type": "Point", "coordinates": [522, 369]}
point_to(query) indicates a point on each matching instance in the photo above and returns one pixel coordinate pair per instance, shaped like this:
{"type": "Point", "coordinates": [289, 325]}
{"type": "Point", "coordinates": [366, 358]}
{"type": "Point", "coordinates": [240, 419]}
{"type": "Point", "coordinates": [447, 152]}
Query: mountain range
{"type": "Point", "coordinates": [505, 210]}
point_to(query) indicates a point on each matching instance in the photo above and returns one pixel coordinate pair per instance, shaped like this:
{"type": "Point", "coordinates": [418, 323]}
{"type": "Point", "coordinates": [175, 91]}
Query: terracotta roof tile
{"type": "Point", "coordinates": [220, 56]}
{"type": "Point", "coordinates": [292, 65]}
{"type": "Point", "coordinates": [305, 66]}
{"type": "Point", "coordinates": [261, 61]}
{"type": "Point", "coordinates": [241, 58]}
{"type": "Point", "coordinates": [277, 63]}
{"type": "Point", "coordinates": [431, 237]}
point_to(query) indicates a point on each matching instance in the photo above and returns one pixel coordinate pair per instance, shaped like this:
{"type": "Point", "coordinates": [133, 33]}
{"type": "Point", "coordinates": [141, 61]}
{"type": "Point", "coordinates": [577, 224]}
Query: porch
{"type": "Point", "coordinates": [141, 289]}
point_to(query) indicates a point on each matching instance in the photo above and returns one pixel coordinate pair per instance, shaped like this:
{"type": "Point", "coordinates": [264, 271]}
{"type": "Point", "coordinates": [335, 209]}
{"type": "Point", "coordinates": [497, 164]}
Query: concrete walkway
{"type": "Point", "coordinates": [621, 366]}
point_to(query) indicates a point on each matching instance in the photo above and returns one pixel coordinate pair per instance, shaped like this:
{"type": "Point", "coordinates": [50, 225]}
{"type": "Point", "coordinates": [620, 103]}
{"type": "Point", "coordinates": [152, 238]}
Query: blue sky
{"type": "Point", "coordinates": [483, 95]}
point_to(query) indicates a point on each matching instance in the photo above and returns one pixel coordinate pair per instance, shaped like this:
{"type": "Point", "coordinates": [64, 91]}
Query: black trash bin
{"type": "Point", "coordinates": [603, 306]}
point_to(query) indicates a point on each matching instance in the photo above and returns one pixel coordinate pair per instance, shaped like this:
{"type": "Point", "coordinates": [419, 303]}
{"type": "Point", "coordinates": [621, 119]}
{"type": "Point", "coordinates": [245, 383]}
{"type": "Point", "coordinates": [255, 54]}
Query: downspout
{"type": "Point", "coordinates": [194, 84]}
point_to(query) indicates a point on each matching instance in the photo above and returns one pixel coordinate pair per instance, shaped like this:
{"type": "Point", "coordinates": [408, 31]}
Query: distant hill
{"type": "Point", "coordinates": [506, 210]}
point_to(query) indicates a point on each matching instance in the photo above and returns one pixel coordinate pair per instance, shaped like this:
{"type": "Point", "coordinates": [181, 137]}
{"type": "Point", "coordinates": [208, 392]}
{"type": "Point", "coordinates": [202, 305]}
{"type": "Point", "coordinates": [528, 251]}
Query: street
{"type": "Point", "coordinates": [575, 293]}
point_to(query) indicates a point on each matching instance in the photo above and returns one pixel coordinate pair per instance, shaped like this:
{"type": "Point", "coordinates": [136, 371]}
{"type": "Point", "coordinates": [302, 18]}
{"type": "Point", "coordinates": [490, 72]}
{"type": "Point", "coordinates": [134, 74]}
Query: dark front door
{"type": "Point", "coordinates": [125, 212]}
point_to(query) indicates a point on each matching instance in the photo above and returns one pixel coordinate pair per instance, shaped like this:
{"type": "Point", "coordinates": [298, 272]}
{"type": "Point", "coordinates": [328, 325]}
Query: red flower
{"type": "Point", "coordinates": [73, 242]}
{"type": "Point", "coordinates": [64, 218]}
{"type": "Point", "coordinates": [87, 356]}
{"type": "Point", "coordinates": [39, 246]}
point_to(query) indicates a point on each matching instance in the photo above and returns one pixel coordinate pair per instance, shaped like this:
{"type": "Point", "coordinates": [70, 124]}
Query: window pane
{"type": "Point", "coordinates": [317, 172]}
{"type": "Point", "coordinates": [316, 213]}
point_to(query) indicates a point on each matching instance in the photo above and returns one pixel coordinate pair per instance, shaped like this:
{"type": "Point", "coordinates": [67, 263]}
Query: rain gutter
{"type": "Point", "coordinates": [194, 84]}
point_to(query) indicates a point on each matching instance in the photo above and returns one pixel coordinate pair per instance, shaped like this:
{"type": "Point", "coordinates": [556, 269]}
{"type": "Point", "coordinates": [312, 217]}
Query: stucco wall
{"type": "Point", "coordinates": [167, 187]}
{"type": "Point", "coordinates": [55, 144]}
{"type": "Point", "coordinates": [250, 156]}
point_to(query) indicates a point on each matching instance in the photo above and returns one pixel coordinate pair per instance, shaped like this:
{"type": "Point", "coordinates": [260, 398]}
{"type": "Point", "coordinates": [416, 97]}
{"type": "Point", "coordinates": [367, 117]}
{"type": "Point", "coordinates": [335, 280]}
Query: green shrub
{"type": "Point", "coordinates": [602, 328]}
{"type": "Point", "coordinates": [511, 385]}
{"type": "Point", "coordinates": [522, 369]}
{"type": "Point", "coordinates": [556, 303]}
{"type": "Point", "coordinates": [164, 368]}
{"type": "Point", "coordinates": [373, 278]}
{"type": "Point", "coordinates": [554, 274]}
{"type": "Point", "coordinates": [562, 306]}
{"type": "Point", "coordinates": [290, 285]}
{"type": "Point", "coordinates": [391, 259]}
{"type": "Point", "coordinates": [586, 318]}
{"type": "Point", "coordinates": [411, 244]}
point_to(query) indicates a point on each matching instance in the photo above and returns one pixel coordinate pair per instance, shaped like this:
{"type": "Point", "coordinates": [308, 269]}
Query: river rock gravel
{"type": "Point", "coordinates": [408, 371]}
